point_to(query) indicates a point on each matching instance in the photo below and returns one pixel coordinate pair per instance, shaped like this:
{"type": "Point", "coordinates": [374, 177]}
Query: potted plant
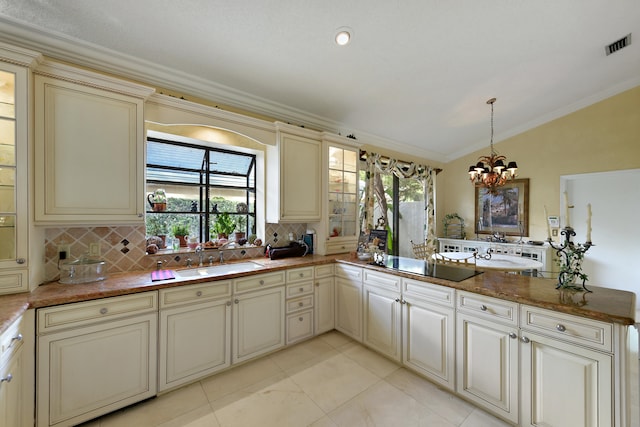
{"type": "Point", "coordinates": [158, 200]}
{"type": "Point", "coordinates": [240, 233]}
{"type": "Point", "coordinates": [223, 226]}
{"type": "Point", "coordinates": [180, 230]}
{"type": "Point", "coordinates": [157, 227]}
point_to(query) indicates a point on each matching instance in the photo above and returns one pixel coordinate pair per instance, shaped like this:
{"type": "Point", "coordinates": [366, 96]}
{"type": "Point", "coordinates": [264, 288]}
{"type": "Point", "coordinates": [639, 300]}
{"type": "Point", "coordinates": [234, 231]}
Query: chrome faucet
{"type": "Point", "coordinates": [221, 257]}
{"type": "Point", "coordinates": [200, 253]}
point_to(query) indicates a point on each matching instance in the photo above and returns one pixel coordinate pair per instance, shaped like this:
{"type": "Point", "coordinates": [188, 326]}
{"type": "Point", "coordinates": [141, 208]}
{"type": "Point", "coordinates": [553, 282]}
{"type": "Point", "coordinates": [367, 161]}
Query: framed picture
{"type": "Point", "coordinates": [506, 212]}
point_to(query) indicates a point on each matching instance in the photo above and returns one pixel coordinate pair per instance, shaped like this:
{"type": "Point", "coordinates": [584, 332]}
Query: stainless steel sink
{"type": "Point", "coordinates": [217, 270]}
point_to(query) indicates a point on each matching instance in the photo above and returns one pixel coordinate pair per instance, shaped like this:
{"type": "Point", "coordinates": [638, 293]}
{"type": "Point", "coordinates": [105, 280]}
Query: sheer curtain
{"type": "Point", "coordinates": [376, 164]}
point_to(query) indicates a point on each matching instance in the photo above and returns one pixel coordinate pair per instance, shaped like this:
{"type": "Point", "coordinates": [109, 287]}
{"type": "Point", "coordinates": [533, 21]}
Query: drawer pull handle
{"type": "Point", "coordinates": [300, 319]}
{"type": "Point", "coordinates": [513, 335]}
{"type": "Point", "coordinates": [300, 303]}
{"type": "Point", "coordinates": [301, 289]}
{"type": "Point", "coordinates": [483, 307]}
{"type": "Point", "coordinates": [21, 260]}
{"type": "Point", "coordinates": [16, 338]}
{"type": "Point", "coordinates": [525, 340]}
{"type": "Point", "coordinates": [199, 293]}
{"type": "Point", "coordinates": [261, 282]}
{"type": "Point", "coordinates": [397, 299]}
{"type": "Point", "coordinates": [560, 327]}
{"type": "Point", "coordinates": [104, 310]}
{"type": "Point", "coordinates": [8, 378]}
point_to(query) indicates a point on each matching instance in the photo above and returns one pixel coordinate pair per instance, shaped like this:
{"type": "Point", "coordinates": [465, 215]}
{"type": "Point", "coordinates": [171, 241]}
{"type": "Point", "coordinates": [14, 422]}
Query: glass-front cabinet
{"type": "Point", "coordinates": [13, 178]}
{"type": "Point", "coordinates": [343, 192]}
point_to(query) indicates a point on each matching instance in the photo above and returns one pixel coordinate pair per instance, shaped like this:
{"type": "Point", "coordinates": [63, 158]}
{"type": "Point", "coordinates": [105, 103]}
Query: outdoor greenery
{"type": "Point", "coordinates": [223, 225]}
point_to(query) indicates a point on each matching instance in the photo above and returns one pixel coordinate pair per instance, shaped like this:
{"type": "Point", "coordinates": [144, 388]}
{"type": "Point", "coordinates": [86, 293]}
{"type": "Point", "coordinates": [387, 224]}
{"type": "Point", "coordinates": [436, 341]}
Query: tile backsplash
{"type": "Point", "coordinates": [123, 247]}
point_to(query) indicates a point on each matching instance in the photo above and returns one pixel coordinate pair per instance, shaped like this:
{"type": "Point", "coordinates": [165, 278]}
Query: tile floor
{"type": "Point", "coordinates": [328, 381]}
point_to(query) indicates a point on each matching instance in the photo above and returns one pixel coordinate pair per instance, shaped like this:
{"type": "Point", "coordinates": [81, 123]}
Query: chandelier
{"type": "Point", "coordinates": [490, 172]}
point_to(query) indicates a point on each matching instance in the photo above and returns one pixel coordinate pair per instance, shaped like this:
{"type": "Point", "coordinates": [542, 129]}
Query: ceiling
{"type": "Point", "coordinates": [415, 77]}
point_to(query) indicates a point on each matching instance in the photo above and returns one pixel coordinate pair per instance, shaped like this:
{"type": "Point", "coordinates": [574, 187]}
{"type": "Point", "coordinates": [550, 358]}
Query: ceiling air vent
{"type": "Point", "coordinates": [617, 45]}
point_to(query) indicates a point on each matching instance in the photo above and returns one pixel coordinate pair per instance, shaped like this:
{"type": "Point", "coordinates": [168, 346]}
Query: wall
{"type": "Point", "coordinates": [601, 137]}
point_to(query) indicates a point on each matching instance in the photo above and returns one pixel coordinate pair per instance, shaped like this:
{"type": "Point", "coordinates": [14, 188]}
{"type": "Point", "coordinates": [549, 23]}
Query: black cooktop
{"type": "Point", "coordinates": [418, 266]}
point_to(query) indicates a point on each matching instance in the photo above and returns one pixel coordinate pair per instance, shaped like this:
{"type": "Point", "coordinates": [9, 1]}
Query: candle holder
{"type": "Point", "coordinates": [570, 257]}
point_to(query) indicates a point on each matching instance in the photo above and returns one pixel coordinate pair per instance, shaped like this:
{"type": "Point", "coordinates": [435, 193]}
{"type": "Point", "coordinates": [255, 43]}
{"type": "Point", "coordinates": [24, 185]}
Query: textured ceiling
{"type": "Point", "coordinates": [415, 77]}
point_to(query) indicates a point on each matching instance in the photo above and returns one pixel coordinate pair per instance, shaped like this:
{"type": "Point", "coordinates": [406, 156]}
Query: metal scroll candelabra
{"type": "Point", "coordinates": [570, 257]}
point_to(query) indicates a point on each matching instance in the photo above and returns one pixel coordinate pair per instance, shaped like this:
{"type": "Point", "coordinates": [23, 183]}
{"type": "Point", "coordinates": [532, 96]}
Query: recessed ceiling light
{"type": "Point", "coordinates": [343, 36]}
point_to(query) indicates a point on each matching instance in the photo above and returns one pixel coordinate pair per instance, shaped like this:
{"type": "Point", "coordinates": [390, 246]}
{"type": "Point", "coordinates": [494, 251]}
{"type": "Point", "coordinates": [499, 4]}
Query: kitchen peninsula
{"type": "Point", "coordinates": [519, 329]}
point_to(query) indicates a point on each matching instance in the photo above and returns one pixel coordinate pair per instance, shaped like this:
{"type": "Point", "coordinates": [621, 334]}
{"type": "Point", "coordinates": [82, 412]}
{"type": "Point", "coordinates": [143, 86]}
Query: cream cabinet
{"type": "Point", "coordinates": [94, 357]}
{"type": "Point", "coordinates": [428, 328]}
{"type": "Point", "coordinates": [258, 315]}
{"type": "Point", "coordinates": [338, 230]}
{"type": "Point", "coordinates": [89, 147]}
{"type": "Point", "coordinates": [382, 313]}
{"type": "Point", "coordinates": [195, 332]}
{"type": "Point", "coordinates": [487, 354]}
{"type": "Point", "coordinates": [553, 367]}
{"type": "Point", "coordinates": [17, 392]}
{"type": "Point", "coordinates": [14, 119]}
{"type": "Point", "coordinates": [293, 176]}
{"type": "Point", "coordinates": [324, 299]}
{"type": "Point", "coordinates": [299, 303]}
{"type": "Point", "coordinates": [348, 283]}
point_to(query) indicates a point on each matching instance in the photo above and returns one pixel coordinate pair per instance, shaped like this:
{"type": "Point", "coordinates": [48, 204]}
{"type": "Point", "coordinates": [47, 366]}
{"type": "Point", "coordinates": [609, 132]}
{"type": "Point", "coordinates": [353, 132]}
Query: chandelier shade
{"type": "Point", "coordinates": [490, 172]}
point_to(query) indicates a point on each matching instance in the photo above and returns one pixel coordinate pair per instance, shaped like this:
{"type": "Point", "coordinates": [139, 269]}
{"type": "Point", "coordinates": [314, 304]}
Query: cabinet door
{"type": "Point", "coordinates": [324, 308]}
{"type": "Point", "coordinates": [564, 384]}
{"type": "Point", "coordinates": [487, 365]}
{"type": "Point", "coordinates": [195, 341]}
{"type": "Point", "coordinates": [382, 315]}
{"type": "Point", "coordinates": [429, 340]}
{"type": "Point", "coordinates": [89, 154]}
{"type": "Point", "coordinates": [13, 175]}
{"type": "Point", "coordinates": [258, 323]}
{"type": "Point", "coordinates": [87, 372]}
{"type": "Point", "coordinates": [349, 308]}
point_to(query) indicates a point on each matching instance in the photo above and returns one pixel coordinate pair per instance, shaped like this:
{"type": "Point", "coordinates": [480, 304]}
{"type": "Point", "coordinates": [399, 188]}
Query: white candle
{"type": "Point", "coordinates": [566, 210]}
{"type": "Point", "coordinates": [546, 220]}
{"type": "Point", "coordinates": [588, 222]}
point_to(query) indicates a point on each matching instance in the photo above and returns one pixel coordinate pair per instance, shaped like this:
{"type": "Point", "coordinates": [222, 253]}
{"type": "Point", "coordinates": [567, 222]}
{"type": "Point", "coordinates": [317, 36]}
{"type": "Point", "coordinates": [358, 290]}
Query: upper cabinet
{"type": "Point", "coordinates": [338, 231]}
{"type": "Point", "coordinates": [293, 176]}
{"type": "Point", "coordinates": [14, 199]}
{"type": "Point", "coordinates": [89, 147]}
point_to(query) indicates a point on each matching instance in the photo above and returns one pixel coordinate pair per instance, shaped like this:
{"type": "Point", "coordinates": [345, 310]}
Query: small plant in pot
{"type": "Point", "coordinates": [180, 231]}
{"type": "Point", "coordinates": [158, 200]}
{"type": "Point", "coordinates": [240, 234]}
{"type": "Point", "coordinates": [223, 226]}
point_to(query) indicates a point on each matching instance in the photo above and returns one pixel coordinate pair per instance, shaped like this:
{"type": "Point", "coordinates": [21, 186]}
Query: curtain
{"type": "Point", "coordinates": [375, 165]}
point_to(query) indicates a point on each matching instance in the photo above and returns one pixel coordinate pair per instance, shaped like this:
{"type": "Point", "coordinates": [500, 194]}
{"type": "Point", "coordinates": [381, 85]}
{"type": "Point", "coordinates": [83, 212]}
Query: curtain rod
{"type": "Point", "coordinates": [387, 159]}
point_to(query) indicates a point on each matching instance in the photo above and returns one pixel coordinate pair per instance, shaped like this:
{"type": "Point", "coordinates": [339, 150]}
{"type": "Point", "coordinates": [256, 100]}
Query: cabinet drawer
{"type": "Point", "coordinates": [349, 272]}
{"type": "Point", "coordinates": [383, 280]}
{"type": "Point", "coordinates": [86, 313]}
{"type": "Point", "coordinates": [195, 293]}
{"type": "Point", "coordinates": [299, 326]}
{"type": "Point", "coordinates": [260, 281]}
{"type": "Point", "coordinates": [299, 303]}
{"type": "Point", "coordinates": [15, 281]}
{"type": "Point", "coordinates": [298, 274]}
{"type": "Point", "coordinates": [340, 247]}
{"type": "Point", "coordinates": [488, 307]}
{"type": "Point", "coordinates": [299, 289]}
{"type": "Point", "coordinates": [13, 337]}
{"type": "Point", "coordinates": [578, 330]}
{"type": "Point", "coordinates": [433, 293]}
{"type": "Point", "coordinates": [324, 270]}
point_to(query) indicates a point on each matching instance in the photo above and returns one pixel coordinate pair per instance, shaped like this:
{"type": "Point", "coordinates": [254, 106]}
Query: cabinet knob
{"type": "Point", "coordinates": [301, 274]}
{"type": "Point", "coordinates": [21, 260]}
{"type": "Point", "coordinates": [301, 289]}
{"type": "Point", "coordinates": [228, 303]}
{"type": "Point", "coordinates": [199, 293]}
{"type": "Point", "coordinates": [8, 378]}
{"type": "Point", "coordinates": [525, 340]}
{"type": "Point", "coordinates": [300, 304]}
{"type": "Point", "coordinates": [483, 307]}
{"type": "Point", "coordinates": [397, 299]}
{"type": "Point", "coordinates": [104, 310]}
{"type": "Point", "coordinates": [261, 282]}
{"type": "Point", "coordinates": [300, 319]}
{"type": "Point", "coordinates": [317, 283]}
{"type": "Point", "coordinates": [513, 335]}
{"type": "Point", "coordinates": [236, 301]}
{"type": "Point", "coordinates": [560, 327]}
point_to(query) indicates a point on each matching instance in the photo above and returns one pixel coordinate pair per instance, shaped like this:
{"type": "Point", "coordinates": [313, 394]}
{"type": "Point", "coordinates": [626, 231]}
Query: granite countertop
{"type": "Point", "coordinates": [609, 305]}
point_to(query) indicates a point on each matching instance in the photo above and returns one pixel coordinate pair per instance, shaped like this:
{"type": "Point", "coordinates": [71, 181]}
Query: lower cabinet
{"type": "Point", "coordinates": [429, 339]}
{"type": "Point", "coordinates": [16, 373]}
{"type": "Point", "coordinates": [195, 332]}
{"type": "Point", "coordinates": [324, 299]}
{"type": "Point", "coordinates": [95, 357]}
{"type": "Point", "coordinates": [258, 323]}
{"type": "Point", "coordinates": [349, 308]}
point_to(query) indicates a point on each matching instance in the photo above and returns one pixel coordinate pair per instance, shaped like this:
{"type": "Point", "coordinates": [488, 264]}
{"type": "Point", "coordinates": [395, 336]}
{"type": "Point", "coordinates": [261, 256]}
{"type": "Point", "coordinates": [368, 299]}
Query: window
{"type": "Point", "coordinates": [200, 183]}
